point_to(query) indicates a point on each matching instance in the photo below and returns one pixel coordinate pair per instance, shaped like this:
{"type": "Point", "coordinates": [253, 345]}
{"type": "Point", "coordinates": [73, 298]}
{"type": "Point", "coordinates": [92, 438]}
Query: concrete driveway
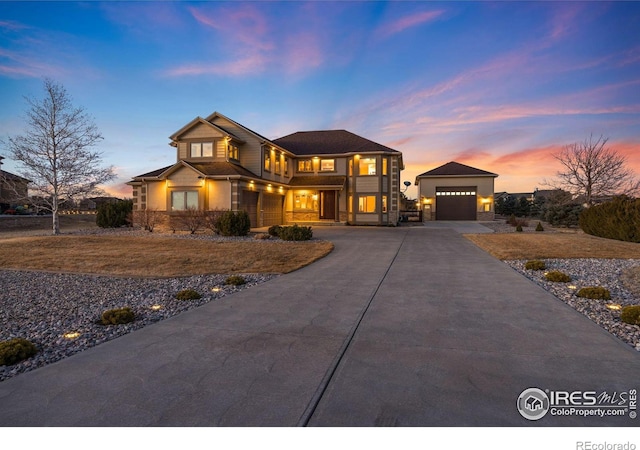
{"type": "Point", "coordinates": [397, 327]}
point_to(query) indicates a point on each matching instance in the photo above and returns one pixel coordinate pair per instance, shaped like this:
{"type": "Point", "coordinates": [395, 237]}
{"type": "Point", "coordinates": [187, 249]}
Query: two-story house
{"type": "Point", "coordinates": [306, 177]}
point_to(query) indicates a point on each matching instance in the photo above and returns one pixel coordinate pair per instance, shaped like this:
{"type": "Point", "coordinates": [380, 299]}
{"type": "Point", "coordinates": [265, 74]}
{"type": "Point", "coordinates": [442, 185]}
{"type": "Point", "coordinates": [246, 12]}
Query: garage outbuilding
{"type": "Point", "coordinates": [456, 191]}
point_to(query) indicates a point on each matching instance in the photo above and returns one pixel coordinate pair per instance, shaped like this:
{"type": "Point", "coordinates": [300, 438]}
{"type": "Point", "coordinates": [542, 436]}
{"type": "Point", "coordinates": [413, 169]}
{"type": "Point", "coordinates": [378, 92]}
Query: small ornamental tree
{"type": "Point", "coordinates": [56, 151]}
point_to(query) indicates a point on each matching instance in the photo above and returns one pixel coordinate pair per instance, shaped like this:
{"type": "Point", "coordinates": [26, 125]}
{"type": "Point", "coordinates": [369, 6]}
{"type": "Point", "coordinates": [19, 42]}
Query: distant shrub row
{"type": "Point", "coordinates": [618, 219]}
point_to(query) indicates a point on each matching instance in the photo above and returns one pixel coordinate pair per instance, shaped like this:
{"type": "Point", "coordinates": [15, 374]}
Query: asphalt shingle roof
{"type": "Point", "coordinates": [329, 142]}
{"type": "Point", "coordinates": [454, 168]}
{"type": "Point", "coordinates": [222, 168]}
{"type": "Point", "coordinates": [154, 173]}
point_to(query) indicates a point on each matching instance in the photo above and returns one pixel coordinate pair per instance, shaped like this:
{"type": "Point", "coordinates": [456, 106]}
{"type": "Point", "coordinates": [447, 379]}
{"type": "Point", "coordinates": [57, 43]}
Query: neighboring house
{"type": "Point", "coordinates": [13, 189]}
{"type": "Point", "coordinates": [455, 191]}
{"type": "Point", "coordinates": [306, 177]}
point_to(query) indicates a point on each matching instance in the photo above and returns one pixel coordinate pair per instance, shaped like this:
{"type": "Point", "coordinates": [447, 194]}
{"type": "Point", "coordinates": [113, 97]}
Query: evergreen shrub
{"type": "Point", "coordinates": [557, 277]}
{"type": "Point", "coordinates": [15, 350]}
{"type": "Point", "coordinates": [618, 219]}
{"type": "Point", "coordinates": [630, 314]}
{"type": "Point", "coordinates": [235, 280]}
{"type": "Point", "coordinates": [117, 316]}
{"type": "Point", "coordinates": [188, 294]}
{"type": "Point", "coordinates": [233, 223]}
{"type": "Point", "coordinates": [274, 230]}
{"type": "Point", "coordinates": [535, 264]}
{"type": "Point", "coordinates": [594, 292]}
{"type": "Point", "coordinates": [296, 233]}
{"type": "Point", "coordinates": [114, 215]}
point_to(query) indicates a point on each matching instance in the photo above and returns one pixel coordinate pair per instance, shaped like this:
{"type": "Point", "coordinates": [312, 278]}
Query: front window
{"type": "Point", "coordinates": [367, 166]}
{"type": "Point", "coordinates": [286, 166]}
{"type": "Point", "coordinates": [307, 200]}
{"type": "Point", "coordinates": [367, 203]}
{"type": "Point", "coordinates": [384, 203]}
{"type": "Point", "coordinates": [385, 162]}
{"type": "Point", "coordinates": [183, 200]}
{"type": "Point", "coordinates": [327, 165]}
{"type": "Point", "coordinates": [201, 149]}
{"type": "Point", "coordinates": [305, 165]}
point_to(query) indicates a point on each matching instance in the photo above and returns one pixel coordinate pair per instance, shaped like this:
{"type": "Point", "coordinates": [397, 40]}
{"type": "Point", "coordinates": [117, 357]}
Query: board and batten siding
{"type": "Point", "coordinates": [250, 151]}
{"type": "Point", "coordinates": [203, 132]}
{"type": "Point", "coordinates": [367, 184]}
{"type": "Point", "coordinates": [367, 218]}
{"type": "Point", "coordinates": [183, 150]}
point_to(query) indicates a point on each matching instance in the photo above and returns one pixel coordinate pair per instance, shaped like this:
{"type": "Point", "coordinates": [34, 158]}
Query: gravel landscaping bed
{"type": "Point", "coordinates": [592, 272]}
{"type": "Point", "coordinates": [43, 307]}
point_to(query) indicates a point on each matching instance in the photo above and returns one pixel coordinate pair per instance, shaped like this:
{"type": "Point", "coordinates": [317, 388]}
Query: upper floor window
{"type": "Point", "coordinates": [305, 165]}
{"type": "Point", "coordinates": [367, 166]}
{"type": "Point", "coordinates": [201, 149]}
{"type": "Point", "coordinates": [233, 152]}
{"type": "Point", "coordinates": [385, 163]}
{"type": "Point", "coordinates": [286, 165]}
{"type": "Point", "coordinates": [277, 164]}
{"type": "Point", "coordinates": [267, 160]}
{"type": "Point", "coordinates": [327, 165]}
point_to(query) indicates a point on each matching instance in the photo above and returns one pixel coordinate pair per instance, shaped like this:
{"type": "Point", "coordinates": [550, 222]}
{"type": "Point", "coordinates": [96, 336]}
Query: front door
{"type": "Point", "coordinates": [328, 205]}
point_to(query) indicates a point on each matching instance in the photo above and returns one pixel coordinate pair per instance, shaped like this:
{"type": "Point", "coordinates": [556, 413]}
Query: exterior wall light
{"type": "Point", "coordinates": [71, 335]}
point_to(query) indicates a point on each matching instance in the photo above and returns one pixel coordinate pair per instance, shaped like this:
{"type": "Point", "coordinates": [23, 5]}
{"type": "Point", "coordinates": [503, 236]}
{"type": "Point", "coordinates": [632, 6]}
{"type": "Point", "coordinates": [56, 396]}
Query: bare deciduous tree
{"type": "Point", "coordinates": [591, 169]}
{"type": "Point", "coordinates": [56, 150]}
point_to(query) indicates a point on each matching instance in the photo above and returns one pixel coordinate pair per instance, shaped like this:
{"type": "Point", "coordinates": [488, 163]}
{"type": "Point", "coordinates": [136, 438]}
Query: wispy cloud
{"type": "Point", "coordinates": [410, 21]}
{"type": "Point", "coordinates": [23, 64]}
{"type": "Point", "coordinates": [250, 64]}
{"type": "Point", "coordinates": [248, 42]}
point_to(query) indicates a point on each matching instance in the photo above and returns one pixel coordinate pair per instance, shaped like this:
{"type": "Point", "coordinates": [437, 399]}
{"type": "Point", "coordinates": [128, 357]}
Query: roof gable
{"type": "Point", "coordinates": [199, 121]}
{"type": "Point", "coordinates": [211, 118]}
{"type": "Point", "coordinates": [456, 169]}
{"type": "Point", "coordinates": [329, 142]}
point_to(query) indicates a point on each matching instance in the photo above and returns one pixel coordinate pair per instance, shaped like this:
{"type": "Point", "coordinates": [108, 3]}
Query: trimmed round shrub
{"type": "Point", "coordinates": [235, 280]}
{"type": "Point", "coordinates": [117, 316]}
{"type": "Point", "coordinates": [233, 223]}
{"type": "Point", "coordinates": [274, 230]}
{"type": "Point", "coordinates": [296, 233]}
{"type": "Point", "coordinates": [539, 227]}
{"type": "Point", "coordinates": [15, 350]}
{"type": "Point", "coordinates": [519, 228]}
{"type": "Point", "coordinates": [594, 292]}
{"type": "Point", "coordinates": [188, 294]}
{"type": "Point", "coordinates": [557, 277]}
{"type": "Point", "coordinates": [630, 315]}
{"type": "Point", "coordinates": [535, 264]}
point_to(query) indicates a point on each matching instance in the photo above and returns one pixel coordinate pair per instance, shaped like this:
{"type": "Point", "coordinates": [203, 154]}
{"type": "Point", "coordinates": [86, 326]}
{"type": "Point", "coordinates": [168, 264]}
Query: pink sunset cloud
{"type": "Point", "coordinates": [250, 64]}
{"type": "Point", "coordinates": [257, 41]}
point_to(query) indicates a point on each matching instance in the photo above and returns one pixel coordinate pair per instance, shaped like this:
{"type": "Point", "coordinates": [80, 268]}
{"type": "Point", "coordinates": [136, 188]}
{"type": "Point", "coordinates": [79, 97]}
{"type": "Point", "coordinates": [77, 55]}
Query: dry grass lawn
{"type": "Point", "coordinates": [553, 245]}
{"type": "Point", "coordinates": [156, 256]}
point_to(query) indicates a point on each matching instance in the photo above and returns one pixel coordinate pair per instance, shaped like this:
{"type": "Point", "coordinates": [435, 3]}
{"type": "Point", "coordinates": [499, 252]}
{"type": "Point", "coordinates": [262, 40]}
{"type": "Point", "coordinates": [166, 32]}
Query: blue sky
{"type": "Point", "coordinates": [496, 85]}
